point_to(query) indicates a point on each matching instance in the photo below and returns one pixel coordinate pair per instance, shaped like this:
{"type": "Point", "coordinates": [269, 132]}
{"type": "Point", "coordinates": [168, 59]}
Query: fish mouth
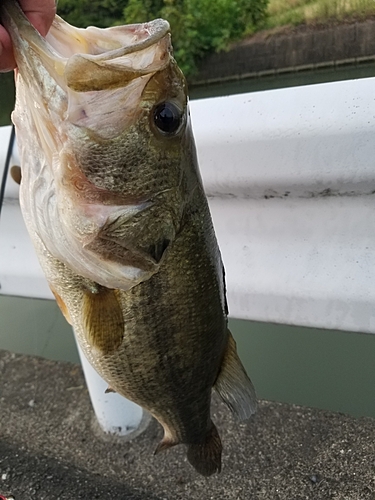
{"type": "Point", "coordinates": [93, 58]}
{"type": "Point", "coordinates": [92, 78]}
{"type": "Point", "coordinates": [79, 89]}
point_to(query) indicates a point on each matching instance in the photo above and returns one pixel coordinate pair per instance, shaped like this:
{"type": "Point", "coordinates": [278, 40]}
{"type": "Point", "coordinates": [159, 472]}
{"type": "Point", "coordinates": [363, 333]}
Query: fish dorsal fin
{"type": "Point", "coordinates": [102, 319]}
{"type": "Point", "coordinates": [233, 385]}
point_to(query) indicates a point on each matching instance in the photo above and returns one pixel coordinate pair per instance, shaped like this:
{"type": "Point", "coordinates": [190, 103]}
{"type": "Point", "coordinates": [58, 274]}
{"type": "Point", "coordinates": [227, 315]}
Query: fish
{"type": "Point", "coordinates": [112, 197]}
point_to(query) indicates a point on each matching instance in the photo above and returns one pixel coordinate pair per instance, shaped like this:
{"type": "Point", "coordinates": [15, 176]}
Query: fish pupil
{"type": "Point", "coordinates": [167, 117]}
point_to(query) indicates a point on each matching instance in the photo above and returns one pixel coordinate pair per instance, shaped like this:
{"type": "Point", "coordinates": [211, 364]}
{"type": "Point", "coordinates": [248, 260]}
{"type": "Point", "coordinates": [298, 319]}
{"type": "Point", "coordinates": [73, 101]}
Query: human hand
{"type": "Point", "coordinates": [40, 13]}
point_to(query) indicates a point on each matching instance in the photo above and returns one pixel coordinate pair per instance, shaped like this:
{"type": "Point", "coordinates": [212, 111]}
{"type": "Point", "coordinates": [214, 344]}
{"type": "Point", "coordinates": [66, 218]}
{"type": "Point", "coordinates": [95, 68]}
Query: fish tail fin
{"type": "Point", "coordinates": [205, 457]}
{"type": "Point", "coordinates": [234, 386]}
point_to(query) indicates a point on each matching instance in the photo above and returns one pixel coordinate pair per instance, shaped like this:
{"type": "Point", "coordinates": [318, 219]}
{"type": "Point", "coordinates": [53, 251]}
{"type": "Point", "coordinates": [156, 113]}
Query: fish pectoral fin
{"type": "Point", "coordinates": [157, 250]}
{"type": "Point", "coordinates": [234, 386]}
{"type": "Point", "coordinates": [102, 319]}
{"type": "Point", "coordinates": [108, 390]}
{"type": "Point", "coordinates": [61, 305]}
{"type": "Point", "coordinates": [205, 457]}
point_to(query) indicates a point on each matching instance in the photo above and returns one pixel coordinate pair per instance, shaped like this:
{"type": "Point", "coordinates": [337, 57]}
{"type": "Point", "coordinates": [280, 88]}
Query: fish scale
{"type": "Point", "coordinates": [113, 200]}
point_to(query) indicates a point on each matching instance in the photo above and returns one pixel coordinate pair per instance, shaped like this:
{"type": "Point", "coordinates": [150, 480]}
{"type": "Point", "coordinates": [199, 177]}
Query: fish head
{"type": "Point", "coordinates": [106, 146]}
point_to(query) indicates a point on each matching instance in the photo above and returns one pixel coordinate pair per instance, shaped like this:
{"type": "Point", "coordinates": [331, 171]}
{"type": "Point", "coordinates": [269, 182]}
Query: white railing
{"type": "Point", "coordinates": [290, 176]}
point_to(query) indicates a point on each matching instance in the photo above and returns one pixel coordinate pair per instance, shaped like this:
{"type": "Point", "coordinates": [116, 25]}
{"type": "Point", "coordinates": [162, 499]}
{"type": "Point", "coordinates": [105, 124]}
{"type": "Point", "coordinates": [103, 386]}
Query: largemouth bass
{"type": "Point", "coordinates": [113, 200]}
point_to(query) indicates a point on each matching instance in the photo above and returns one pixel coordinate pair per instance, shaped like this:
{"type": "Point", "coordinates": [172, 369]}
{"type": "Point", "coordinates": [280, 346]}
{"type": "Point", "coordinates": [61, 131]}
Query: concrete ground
{"type": "Point", "coordinates": [49, 451]}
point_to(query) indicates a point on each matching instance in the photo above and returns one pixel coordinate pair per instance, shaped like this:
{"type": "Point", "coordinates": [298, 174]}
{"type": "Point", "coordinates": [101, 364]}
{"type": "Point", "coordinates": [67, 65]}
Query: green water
{"type": "Point", "coordinates": [319, 368]}
{"type": "Point", "coordinates": [36, 327]}
{"type": "Point", "coordinates": [294, 79]}
{"type": "Point", "coordinates": [305, 366]}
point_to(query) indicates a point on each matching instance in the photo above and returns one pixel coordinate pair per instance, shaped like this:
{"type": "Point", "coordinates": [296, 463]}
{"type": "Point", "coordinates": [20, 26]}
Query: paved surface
{"type": "Point", "coordinates": [48, 450]}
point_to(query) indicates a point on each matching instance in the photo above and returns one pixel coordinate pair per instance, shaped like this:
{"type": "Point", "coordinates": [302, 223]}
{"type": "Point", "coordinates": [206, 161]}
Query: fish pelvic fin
{"type": "Point", "coordinates": [205, 457]}
{"type": "Point", "coordinates": [234, 386]}
{"type": "Point", "coordinates": [15, 173]}
{"type": "Point", "coordinates": [102, 319]}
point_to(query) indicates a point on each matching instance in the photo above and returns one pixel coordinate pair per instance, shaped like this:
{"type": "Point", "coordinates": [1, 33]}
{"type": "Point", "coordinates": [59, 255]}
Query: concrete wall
{"type": "Point", "coordinates": [308, 48]}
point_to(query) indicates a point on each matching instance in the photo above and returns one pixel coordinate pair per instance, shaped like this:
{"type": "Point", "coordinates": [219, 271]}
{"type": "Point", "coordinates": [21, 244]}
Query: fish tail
{"type": "Point", "coordinates": [234, 386]}
{"type": "Point", "coordinates": [205, 457]}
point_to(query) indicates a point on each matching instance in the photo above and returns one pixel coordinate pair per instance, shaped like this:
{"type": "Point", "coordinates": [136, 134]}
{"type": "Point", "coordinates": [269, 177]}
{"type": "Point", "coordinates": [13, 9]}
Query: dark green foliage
{"type": "Point", "coordinates": [83, 13]}
{"type": "Point", "coordinates": [198, 26]}
{"type": "Point", "coordinates": [257, 10]}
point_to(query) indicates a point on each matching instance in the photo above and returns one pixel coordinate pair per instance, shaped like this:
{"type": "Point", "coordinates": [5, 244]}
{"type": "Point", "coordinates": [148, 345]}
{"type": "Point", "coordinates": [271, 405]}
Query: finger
{"type": "Point", "coordinates": [40, 13]}
{"type": "Point", "coordinates": [7, 61]}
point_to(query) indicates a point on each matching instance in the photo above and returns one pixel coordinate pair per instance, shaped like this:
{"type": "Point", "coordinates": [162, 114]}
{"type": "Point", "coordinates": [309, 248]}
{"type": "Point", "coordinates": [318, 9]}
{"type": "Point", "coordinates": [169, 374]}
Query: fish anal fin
{"type": "Point", "coordinates": [234, 386]}
{"type": "Point", "coordinates": [169, 440]}
{"type": "Point", "coordinates": [62, 306]}
{"type": "Point", "coordinates": [205, 457]}
{"type": "Point", "coordinates": [164, 444]}
{"type": "Point", "coordinates": [102, 319]}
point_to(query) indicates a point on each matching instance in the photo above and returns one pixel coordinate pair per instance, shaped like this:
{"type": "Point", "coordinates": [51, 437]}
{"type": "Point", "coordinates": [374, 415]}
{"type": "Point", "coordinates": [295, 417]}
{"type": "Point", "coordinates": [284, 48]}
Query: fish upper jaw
{"type": "Point", "coordinates": [80, 74]}
{"type": "Point", "coordinates": [133, 49]}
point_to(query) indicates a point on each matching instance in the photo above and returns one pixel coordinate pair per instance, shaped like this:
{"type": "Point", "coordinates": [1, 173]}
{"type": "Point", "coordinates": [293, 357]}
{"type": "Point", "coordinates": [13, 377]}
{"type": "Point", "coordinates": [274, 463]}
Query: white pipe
{"type": "Point", "coordinates": [115, 414]}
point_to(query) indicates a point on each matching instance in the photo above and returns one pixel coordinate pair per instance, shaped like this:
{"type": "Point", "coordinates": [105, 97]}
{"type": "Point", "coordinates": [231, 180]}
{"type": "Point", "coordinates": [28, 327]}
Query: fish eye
{"type": "Point", "coordinates": [167, 117]}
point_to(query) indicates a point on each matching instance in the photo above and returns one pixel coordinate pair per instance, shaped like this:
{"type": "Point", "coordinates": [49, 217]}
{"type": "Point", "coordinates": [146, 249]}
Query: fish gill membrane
{"type": "Point", "coordinates": [113, 201]}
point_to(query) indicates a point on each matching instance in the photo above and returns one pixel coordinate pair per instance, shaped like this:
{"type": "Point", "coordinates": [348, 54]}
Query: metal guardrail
{"type": "Point", "coordinates": [290, 176]}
